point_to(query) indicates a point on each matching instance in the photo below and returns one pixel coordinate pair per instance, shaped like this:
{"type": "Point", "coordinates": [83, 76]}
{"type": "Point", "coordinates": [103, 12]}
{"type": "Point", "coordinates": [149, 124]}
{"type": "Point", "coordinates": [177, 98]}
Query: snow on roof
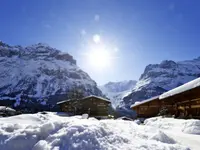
{"type": "Point", "coordinates": [4, 108]}
{"type": "Point", "coordinates": [96, 97]}
{"type": "Point", "coordinates": [65, 101]}
{"type": "Point", "coordinates": [145, 101]}
{"type": "Point", "coordinates": [185, 87]}
{"type": "Point", "coordinates": [83, 99]}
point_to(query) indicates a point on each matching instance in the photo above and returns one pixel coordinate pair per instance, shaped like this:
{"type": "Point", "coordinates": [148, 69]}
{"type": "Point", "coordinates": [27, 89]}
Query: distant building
{"type": "Point", "coordinates": [183, 101]}
{"type": "Point", "coordinates": [93, 105]}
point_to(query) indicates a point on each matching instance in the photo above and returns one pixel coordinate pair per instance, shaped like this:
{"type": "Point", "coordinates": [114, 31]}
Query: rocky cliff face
{"type": "Point", "coordinates": [158, 78]}
{"type": "Point", "coordinates": [41, 72]}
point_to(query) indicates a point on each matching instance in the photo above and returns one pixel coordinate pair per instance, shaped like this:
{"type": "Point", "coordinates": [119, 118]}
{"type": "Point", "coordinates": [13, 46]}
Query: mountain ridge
{"type": "Point", "coordinates": [159, 78]}
{"type": "Point", "coordinates": [117, 90]}
{"type": "Point", "coordinates": [42, 72]}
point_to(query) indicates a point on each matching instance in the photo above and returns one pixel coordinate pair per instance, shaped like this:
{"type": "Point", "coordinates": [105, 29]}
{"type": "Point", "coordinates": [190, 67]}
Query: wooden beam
{"type": "Point", "coordinates": [195, 106]}
{"type": "Point", "coordinates": [189, 100]}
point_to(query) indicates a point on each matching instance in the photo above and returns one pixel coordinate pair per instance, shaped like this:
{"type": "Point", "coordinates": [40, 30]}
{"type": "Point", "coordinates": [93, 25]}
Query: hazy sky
{"type": "Point", "coordinates": [135, 32]}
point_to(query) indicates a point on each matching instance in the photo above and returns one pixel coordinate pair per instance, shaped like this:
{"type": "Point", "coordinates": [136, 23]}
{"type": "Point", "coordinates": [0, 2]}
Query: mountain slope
{"type": "Point", "coordinates": [158, 78]}
{"type": "Point", "coordinates": [40, 71]}
{"type": "Point", "coordinates": [117, 90]}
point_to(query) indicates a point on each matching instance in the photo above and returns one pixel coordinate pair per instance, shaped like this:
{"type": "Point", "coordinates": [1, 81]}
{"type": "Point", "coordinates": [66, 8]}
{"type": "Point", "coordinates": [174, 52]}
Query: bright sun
{"type": "Point", "coordinates": [99, 58]}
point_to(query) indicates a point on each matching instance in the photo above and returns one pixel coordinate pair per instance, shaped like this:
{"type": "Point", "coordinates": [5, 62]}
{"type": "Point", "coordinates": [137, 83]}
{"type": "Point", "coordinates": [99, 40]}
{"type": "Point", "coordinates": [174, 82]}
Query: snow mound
{"type": "Point", "coordinates": [25, 119]}
{"type": "Point", "coordinates": [162, 137]}
{"type": "Point", "coordinates": [52, 132]}
{"type": "Point", "coordinates": [165, 123]}
{"type": "Point", "coordinates": [137, 121]}
{"type": "Point", "coordinates": [191, 127]}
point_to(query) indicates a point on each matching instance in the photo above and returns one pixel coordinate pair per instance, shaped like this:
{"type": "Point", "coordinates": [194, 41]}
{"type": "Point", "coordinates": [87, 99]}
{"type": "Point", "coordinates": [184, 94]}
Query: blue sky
{"type": "Point", "coordinates": [143, 31]}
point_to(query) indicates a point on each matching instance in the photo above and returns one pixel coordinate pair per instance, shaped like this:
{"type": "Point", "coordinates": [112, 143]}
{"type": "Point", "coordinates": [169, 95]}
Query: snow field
{"type": "Point", "coordinates": [52, 132]}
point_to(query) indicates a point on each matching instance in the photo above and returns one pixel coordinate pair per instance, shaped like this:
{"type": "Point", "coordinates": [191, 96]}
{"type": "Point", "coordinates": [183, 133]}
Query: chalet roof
{"type": "Point", "coordinates": [65, 101]}
{"type": "Point", "coordinates": [84, 99]}
{"type": "Point", "coordinates": [4, 108]}
{"type": "Point", "coordinates": [98, 97]}
{"type": "Point", "coordinates": [145, 101]}
{"type": "Point", "coordinates": [185, 87]}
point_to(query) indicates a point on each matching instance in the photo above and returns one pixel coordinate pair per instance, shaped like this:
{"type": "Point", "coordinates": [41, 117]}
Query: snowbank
{"type": "Point", "coordinates": [162, 137]}
{"type": "Point", "coordinates": [182, 131]}
{"type": "Point", "coordinates": [53, 132]}
{"type": "Point", "coordinates": [191, 126]}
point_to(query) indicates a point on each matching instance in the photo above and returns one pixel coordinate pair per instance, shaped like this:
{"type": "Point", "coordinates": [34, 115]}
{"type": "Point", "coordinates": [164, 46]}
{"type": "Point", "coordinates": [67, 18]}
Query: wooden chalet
{"type": "Point", "coordinates": [147, 108]}
{"type": "Point", "coordinates": [186, 99]}
{"type": "Point", "coordinates": [93, 105]}
{"type": "Point", "coordinates": [183, 101]}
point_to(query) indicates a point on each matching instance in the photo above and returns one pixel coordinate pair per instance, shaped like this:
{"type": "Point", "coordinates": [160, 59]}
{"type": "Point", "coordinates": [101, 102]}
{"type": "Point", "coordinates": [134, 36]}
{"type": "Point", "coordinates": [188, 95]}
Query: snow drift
{"type": "Point", "coordinates": [162, 137]}
{"type": "Point", "coordinates": [191, 126]}
{"type": "Point", "coordinates": [52, 132]}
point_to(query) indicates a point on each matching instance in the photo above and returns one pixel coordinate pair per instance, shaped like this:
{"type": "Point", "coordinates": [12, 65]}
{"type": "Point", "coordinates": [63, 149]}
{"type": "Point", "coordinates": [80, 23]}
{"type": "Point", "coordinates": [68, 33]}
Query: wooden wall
{"type": "Point", "coordinates": [148, 109]}
{"type": "Point", "coordinates": [8, 103]}
{"type": "Point", "coordinates": [185, 104]}
{"type": "Point", "coordinates": [92, 106]}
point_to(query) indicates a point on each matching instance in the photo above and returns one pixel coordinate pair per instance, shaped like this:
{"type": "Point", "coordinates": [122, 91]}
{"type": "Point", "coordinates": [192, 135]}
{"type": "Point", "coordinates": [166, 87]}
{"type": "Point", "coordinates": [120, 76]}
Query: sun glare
{"type": "Point", "coordinates": [99, 58]}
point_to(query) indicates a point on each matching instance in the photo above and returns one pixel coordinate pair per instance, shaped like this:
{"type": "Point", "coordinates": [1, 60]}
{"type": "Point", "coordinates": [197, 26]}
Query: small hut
{"type": "Point", "coordinates": [93, 105]}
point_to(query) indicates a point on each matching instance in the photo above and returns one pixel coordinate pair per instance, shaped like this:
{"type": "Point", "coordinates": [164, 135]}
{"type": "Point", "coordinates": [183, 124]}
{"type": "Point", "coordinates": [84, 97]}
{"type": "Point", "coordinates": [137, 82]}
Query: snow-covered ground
{"type": "Point", "coordinates": [53, 132]}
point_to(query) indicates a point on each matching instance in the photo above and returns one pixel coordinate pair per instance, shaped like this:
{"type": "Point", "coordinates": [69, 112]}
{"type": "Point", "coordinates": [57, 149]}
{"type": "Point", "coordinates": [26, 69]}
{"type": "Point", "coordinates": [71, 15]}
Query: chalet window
{"type": "Point", "coordinates": [143, 108]}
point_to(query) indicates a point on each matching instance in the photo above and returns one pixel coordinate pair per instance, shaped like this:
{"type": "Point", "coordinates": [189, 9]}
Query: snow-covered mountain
{"type": "Point", "coordinates": [117, 90]}
{"type": "Point", "coordinates": [40, 71]}
{"type": "Point", "coordinates": [158, 78]}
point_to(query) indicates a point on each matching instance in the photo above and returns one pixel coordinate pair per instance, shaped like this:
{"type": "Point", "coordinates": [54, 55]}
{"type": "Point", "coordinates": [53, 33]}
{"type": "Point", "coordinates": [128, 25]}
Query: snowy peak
{"type": "Point", "coordinates": [117, 90]}
{"type": "Point", "coordinates": [40, 71]}
{"type": "Point", "coordinates": [119, 86]}
{"type": "Point", "coordinates": [159, 78]}
{"type": "Point", "coordinates": [36, 51]}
